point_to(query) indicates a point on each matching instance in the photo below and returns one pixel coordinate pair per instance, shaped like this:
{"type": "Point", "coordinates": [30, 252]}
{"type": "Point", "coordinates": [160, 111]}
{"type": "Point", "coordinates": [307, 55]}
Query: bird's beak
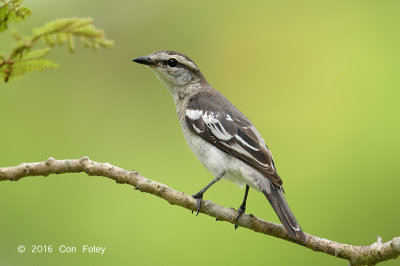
{"type": "Point", "coordinates": [145, 60]}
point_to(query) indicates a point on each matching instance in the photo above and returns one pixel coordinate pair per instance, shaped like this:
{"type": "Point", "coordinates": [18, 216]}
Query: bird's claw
{"type": "Point", "coordinates": [241, 210]}
{"type": "Point", "coordinates": [199, 197]}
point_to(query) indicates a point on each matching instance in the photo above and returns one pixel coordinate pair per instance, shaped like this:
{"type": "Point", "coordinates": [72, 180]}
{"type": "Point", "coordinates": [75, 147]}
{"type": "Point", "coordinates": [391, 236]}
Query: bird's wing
{"type": "Point", "coordinates": [211, 116]}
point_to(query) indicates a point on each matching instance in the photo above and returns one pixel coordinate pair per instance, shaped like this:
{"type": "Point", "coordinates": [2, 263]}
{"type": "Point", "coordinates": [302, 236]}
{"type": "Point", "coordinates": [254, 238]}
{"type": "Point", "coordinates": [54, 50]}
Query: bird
{"type": "Point", "coordinates": [222, 138]}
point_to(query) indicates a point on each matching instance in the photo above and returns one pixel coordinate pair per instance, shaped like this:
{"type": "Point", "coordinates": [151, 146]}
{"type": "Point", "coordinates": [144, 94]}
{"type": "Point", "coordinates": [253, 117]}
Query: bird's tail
{"type": "Point", "coordinates": [289, 222]}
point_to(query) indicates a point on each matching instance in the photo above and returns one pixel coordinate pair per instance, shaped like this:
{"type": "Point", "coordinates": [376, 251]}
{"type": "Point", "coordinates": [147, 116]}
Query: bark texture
{"type": "Point", "coordinates": [356, 255]}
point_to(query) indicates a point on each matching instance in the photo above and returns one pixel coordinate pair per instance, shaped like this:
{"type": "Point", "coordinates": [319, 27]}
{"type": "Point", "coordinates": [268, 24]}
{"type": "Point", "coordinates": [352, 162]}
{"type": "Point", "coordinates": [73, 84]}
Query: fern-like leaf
{"type": "Point", "coordinates": [71, 44]}
{"type": "Point", "coordinates": [35, 54]}
{"type": "Point", "coordinates": [61, 31]}
{"type": "Point", "coordinates": [11, 10]}
{"type": "Point", "coordinates": [22, 67]}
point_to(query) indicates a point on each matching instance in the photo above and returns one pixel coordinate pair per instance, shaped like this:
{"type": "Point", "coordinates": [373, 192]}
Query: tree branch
{"type": "Point", "coordinates": [356, 255]}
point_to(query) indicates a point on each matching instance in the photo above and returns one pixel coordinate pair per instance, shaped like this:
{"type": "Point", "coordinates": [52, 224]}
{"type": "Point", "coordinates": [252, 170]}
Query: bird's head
{"type": "Point", "coordinates": [177, 71]}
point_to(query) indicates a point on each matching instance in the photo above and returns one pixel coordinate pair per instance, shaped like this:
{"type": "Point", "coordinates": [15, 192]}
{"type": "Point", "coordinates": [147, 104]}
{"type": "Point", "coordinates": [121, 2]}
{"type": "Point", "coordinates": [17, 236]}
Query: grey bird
{"type": "Point", "coordinates": [221, 137]}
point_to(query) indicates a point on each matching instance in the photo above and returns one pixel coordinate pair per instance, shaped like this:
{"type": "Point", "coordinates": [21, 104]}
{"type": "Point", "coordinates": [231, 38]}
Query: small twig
{"type": "Point", "coordinates": [356, 255]}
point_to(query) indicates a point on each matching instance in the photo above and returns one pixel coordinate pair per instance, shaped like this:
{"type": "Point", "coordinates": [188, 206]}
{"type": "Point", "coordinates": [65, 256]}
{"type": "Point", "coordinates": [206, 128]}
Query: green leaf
{"type": "Point", "coordinates": [14, 17]}
{"type": "Point", "coordinates": [16, 35]}
{"type": "Point", "coordinates": [24, 58]}
{"type": "Point", "coordinates": [11, 11]}
{"type": "Point", "coordinates": [3, 26]}
{"type": "Point", "coordinates": [95, 46]}
{"type": "Point", "coordinates": [89, 31]}
{"type": "Point", "coordinates": [63, 30]}
{"type": "Point", "coordinates": [80, 22]}
{"type": "Point", "coordinates": [24, 12]}
{"type": "Point", "coordinates": [49, 40]}
{"type": "Point", "coordinates": [61, 38]}
{"type": "Point", "coordinates": [4, 17]}
{"type": "Point", "coordinates": [54, 26]}
{"type": "Point", "coordinates": [71, 44]}
{"type": "Point", "coordinates": [3, 11]}
{"type": "Point", "coordinates": [106, 43]}
{"type": "Point", "coordinates": [35, 54]}
{"type": "Point", "coordinates": [21, 67]}
{"type": "Point", "coordinates": [86, 42]}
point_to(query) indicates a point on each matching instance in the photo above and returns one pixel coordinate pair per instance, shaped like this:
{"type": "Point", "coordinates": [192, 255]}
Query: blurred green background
{"type": "Point", "coordinates": [319, 79]}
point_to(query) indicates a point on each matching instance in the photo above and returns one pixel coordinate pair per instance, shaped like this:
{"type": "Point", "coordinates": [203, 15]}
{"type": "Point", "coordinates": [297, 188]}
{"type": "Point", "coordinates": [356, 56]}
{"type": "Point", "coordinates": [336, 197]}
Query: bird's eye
{"type": "Point", "coordinates": [172, 62]}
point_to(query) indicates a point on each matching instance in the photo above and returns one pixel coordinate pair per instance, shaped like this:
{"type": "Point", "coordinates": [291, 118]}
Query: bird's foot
{"type": "Point", "coordinates": [199, 197]}
{"type": "Point", "coordinates": [241, 210]}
